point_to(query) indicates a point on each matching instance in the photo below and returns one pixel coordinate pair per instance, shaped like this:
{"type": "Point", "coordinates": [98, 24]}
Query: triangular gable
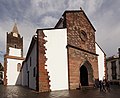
{"type": "Point", "coordinates": [73, 11]}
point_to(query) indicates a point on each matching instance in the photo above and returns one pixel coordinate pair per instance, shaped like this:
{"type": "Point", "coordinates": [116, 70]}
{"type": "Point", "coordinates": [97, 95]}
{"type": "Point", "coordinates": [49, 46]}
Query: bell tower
{"type": "Point", "coordinates": [14, 40]}
{"type": "Point", "coordinates": [13, 57]}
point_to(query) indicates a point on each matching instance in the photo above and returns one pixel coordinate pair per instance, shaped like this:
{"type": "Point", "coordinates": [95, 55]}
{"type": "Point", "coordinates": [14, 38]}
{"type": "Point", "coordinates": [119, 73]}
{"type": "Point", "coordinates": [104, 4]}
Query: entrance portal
{"type": "Point", "coordinates": [83, 76]}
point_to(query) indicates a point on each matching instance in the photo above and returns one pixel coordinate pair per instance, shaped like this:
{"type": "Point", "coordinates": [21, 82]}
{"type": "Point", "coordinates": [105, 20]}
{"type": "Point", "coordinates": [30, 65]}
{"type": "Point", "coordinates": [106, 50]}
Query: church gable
{"type": "Point", "coordinates": [81, 33]}
{"type": "Point", "coordinates": [81, 47]}
{"type": "Point", "coordinates": [78, 16]}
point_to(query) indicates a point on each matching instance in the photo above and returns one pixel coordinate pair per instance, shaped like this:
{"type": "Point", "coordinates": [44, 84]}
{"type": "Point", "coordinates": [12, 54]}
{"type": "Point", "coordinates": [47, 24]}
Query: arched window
{"type": "Point", "coordinates": [18, 67]}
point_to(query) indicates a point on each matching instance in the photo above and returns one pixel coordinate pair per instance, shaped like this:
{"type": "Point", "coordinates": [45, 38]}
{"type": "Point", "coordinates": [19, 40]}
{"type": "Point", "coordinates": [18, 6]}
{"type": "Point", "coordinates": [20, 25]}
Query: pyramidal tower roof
{"type": "Point", "coordinates": [15, 29]}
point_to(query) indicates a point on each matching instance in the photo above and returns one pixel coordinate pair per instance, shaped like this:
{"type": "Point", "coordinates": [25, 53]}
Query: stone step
{"type": "Point", "coordinates": [86, 87]}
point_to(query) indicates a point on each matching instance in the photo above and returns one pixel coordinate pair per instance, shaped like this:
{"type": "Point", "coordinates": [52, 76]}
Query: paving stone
{"type": "Point", "coordinates": [22, 92]}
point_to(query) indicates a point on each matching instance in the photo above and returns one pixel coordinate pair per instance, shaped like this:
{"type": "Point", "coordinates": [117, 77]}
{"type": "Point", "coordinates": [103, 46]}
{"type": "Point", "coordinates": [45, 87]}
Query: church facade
{"type": "Point", "coordinates": [82, 57]}
{"type": "Point", "coordinates": [64, 57]}
{"type": "Point", "coordinates": [14, 56]}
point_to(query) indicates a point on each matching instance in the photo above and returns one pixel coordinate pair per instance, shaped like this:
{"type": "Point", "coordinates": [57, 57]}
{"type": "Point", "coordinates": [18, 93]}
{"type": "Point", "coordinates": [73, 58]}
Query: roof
{"type": "Point", "coordinates": [112, 58]}
{"type": "Point", "coordinates": [31, 46]}
{"type": "Point", "coordinates": [59, 22]}
{"type": "Point", "coordinates": [100, 48]}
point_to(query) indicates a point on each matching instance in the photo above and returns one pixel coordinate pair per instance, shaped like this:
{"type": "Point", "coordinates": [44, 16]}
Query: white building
{"type": "Point", "coordinates": [113, 69]}
{"type": "Point", "coordinates": [29, 69]}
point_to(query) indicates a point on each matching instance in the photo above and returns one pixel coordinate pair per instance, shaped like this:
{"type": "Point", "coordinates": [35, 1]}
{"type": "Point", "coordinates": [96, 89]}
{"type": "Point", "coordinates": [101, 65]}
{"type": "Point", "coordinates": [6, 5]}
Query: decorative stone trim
{"type": "Point", "coordinates": [44, 85]}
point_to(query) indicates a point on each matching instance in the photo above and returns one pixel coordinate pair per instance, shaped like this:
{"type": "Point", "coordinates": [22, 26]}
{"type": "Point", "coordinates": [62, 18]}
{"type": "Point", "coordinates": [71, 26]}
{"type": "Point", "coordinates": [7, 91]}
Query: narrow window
{"type": "Point", "coordinates": [18, 67]}
{"type": "Point", "coordinates": [34, 72]}
{"type": "Point", "coordinates": [113, 67]}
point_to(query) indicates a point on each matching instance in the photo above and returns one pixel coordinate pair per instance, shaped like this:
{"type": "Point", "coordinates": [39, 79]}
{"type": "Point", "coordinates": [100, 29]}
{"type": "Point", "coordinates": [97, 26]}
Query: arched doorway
{"type": "Point", "coordinates": [86, 74]}
{"type": "Point", "coordinates": [83, 76]}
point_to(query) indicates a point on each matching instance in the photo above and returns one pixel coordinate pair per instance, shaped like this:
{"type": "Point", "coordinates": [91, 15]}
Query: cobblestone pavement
{"type": "Point", "coordinates": [22, 92]}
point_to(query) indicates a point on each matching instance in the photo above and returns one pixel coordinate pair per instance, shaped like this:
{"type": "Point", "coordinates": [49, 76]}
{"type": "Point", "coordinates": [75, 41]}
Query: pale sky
{"type": "Point", "coordinates": [36, 14]}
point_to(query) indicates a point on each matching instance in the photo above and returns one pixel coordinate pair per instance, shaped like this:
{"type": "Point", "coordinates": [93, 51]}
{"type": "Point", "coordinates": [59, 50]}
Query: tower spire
{"type": "Point", "coordinates": [15, 30]}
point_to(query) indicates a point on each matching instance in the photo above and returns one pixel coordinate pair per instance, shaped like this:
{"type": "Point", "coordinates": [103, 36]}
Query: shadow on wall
{"type": "Point", "coordinates": [19, 79]}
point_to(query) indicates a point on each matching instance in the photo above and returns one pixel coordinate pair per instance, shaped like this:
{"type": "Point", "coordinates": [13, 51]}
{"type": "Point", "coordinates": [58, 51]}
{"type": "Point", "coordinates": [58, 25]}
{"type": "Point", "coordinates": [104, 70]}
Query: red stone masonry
{"type": "Point", "coordinates": [5, 71]}
{"type": "Point", "coordinates": [83, 47]}
{"type": "Point", "coordinates": [44, 85]}
{"type": "Point", "coordinates": [12, 41]}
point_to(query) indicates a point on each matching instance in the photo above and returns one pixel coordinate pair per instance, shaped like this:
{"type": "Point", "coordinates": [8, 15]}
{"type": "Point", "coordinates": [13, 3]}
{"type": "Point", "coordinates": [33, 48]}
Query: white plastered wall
{"type": "Point", "coordinates": [101, 67]}
{"type": "Point", "coordinates": [28, 68]}
{"type": "Point", "coordinates": [15, 52]}
{"type": "Point", "coordinates": [24, 74]}
{"type": "Point", "coordinates": [12, 73]}
{"type": "Point", "coordinates": [33, 56]}
{"type": "Point", "coordinates": [57, 58]}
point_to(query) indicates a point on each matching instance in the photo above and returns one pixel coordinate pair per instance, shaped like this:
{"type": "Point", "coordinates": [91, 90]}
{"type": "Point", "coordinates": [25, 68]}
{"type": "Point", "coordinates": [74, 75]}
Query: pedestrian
{"type": "Point", "coordinates": [96, 85]}
{"type": "Point", "coordinates": [103, 85]}
{"type": "Point", "coordinates": [100, 85]}
{"type": "Point", "coordinates": [108, 85]}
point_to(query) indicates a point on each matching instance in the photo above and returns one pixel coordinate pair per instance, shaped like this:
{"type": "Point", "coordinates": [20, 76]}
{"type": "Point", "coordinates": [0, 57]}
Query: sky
{"type": "Point", "coordinates": [31, 15]}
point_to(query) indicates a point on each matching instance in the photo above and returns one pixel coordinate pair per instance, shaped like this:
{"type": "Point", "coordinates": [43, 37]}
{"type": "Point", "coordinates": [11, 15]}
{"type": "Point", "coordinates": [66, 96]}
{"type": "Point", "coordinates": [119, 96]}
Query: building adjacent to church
{"type": "Point", "coordinates": [64, 57]}
{"type": "Point", "coordinates": [14, 56]}
{"type": "Point", "coordinates": [113, 68]}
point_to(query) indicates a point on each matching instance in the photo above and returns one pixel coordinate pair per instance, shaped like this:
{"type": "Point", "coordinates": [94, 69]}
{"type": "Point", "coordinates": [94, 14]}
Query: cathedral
{"type": "Point", "coordinates": [64, 57]}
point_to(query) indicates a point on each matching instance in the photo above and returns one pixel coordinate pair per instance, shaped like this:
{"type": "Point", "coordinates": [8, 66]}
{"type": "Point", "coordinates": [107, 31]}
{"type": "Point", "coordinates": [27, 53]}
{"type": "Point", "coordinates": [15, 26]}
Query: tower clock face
{"type": "Point", "coordinates": [83, 35]}
{"type": "Point", "coordinates": [15, 35]}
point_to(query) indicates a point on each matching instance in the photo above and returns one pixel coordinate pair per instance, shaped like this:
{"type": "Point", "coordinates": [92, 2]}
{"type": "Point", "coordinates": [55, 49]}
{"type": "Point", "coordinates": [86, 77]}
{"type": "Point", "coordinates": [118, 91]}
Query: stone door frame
{"type": "Point", "coordinates": [89, 68]}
